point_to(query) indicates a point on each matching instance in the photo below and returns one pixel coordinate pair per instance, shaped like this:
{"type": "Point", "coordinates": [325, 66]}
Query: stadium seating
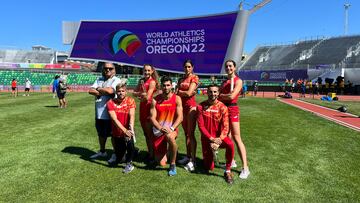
{"type": "Point", "coordinates": [42, 78]}
{"type": "Point", "coordinates": [331, 51]}
{"type": "Point", "coordinates": [22, 56]}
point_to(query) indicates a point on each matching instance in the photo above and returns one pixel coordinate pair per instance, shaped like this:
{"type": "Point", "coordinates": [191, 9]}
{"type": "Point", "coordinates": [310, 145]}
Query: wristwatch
{"type": "Point", "coordinates": [172, 128]}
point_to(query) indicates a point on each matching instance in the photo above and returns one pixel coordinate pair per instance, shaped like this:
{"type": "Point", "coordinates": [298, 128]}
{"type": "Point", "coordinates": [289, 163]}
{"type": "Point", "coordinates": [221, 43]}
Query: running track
{"type": "Point", "coordinates": [344, 119]}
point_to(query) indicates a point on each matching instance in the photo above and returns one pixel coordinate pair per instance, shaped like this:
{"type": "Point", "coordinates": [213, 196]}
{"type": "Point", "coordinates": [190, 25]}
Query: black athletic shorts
{"type": "Point", "coordinates": [103, 127]}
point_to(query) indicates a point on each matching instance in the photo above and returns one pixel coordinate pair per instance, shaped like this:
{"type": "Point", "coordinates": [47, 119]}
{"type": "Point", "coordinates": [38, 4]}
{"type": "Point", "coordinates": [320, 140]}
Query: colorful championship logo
{"type": "Point", "coordinates": [126, 41]}
{"type": "Point", "coordinates": [265, 76]}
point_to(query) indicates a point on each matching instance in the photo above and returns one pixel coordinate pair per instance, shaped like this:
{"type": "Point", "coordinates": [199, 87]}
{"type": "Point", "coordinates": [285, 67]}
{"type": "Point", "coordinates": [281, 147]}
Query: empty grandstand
{"type": "Point", "coordinates": [23, 56]}
{"type": "Point", "coordinates": [322, 57]}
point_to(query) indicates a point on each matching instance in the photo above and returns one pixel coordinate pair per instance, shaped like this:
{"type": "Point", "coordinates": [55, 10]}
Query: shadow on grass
{"type": "Point", "coordinates": [53, 106]}
{"type": "Point", "coordinates": [139, 161]}
{"type": "Point", "coordinates": [142, 158]}
{"type": "Point", "coordinates": [85, 154]}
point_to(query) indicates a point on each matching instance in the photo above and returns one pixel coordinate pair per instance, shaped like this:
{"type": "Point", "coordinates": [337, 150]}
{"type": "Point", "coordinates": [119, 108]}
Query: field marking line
{"type": "Point", "coordinates": [324, 116]}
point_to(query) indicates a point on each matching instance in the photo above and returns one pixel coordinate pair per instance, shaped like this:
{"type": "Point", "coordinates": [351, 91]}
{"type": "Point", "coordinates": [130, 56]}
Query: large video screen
{"type": "Point", "coordinates": [164, 44]}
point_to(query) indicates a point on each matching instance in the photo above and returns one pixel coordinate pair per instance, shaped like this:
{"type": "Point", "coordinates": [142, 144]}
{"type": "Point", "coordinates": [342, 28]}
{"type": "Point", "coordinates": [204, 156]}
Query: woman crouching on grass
{"type": "Point", "coordinates": [122, 113]}
{"type": "Point", "coordinates": [145, 90]}
{"type": "Point", "coordinates": [229, 94]}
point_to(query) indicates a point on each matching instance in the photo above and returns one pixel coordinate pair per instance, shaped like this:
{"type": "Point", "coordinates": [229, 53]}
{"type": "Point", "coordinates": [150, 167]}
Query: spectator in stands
{"type": "Point", "coordinates": [55, 85]}
{"type": "Point", "coordinates": [292, 84]}
{"type": "Point", "coordinates": [229, 93]}
{"type": "Point", "coordinates": [173, 86]}
{"type": "Point", "coordinates": [298, 85]}
{"type": "Point", "coordinates": [244, 90]}
{"type": "Point", "coordinates": [286, 84]}
{"type": "Point", "coordinates": [316, 88]}
{"type": "Point", "coordinates": [213, 79]}
{"type": "Point", "coordinates": [255, 87]}
{"type": "Point", "coordinates": [327, 87]}
{"type": "Point", "coordinates": [307, 86]}
{"type": "Point", "coordinates": [145, 91]}
{"type": "Point", "coordinates": [303, 89]}
{"type": "Point", "coordinates": [104, 89]}
{"type": "Point", "coordinates": [14, 87]}
{"type": "Point", "coordinates": [319, 81]}
{"type": "Point", "coordinates": [27, 87]}
{"type": "Point", "coordinates": [187, 86]}
{"type": "Point", "coordinates": [342, 86]}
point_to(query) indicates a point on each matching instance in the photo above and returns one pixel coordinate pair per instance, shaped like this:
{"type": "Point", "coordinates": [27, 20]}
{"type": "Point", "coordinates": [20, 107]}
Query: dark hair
{"type": "Point", "coordinates": [232, 61]}
{"type": "Point", "coordinates": [165, 78]}
{"type": "Point", "coordinates": [188, 61]}
{"type": "Point", "coordinates": [103, 65]}
{"type": "Point", "coordinates": [213, 85]}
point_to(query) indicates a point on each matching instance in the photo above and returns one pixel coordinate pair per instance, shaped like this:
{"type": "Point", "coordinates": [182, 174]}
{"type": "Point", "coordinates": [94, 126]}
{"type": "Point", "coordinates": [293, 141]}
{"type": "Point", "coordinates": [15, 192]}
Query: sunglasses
{"type": "Point", "coordinates": [108, 69]}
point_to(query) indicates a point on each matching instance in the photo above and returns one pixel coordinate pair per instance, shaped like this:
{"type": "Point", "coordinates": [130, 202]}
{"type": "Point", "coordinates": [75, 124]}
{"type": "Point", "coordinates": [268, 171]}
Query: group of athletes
{"type": "Point", "coordinates": [218, 119]}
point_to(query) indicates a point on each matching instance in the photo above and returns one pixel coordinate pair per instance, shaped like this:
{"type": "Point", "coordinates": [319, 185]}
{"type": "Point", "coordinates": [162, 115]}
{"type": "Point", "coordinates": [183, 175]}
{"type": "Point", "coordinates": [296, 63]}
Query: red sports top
{"type": "Point", "coordinates": [213, 120]}
{"type": "Point", "coordinates": [165, 111]}
{"type": "Point", "coordinates": [122, 114]}
{"type": "Point", "coordinates": [225, 89]}
{"type": "Point", "coordinates": [13, 83]}
{"type": "Point", "coordinates": [145, 87]}
{"type": "Point", "coordinates": [184, 85]}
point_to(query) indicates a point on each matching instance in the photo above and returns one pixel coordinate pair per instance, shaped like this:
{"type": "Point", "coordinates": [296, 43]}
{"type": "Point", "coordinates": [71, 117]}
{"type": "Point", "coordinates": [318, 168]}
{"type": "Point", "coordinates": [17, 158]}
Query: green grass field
{"type": "Point", "coordinates": [294, 156]}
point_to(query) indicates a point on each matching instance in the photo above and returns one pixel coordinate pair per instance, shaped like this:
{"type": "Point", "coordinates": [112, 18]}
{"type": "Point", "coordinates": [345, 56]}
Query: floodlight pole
{"type": "Point", "coordinates": [236, 43]}
{"type": "Point", "coordinates": [346, 6]}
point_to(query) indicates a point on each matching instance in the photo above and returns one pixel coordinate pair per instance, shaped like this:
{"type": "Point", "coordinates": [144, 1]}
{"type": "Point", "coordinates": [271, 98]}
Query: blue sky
{"type": "Point", "coordinates": [25, 23]}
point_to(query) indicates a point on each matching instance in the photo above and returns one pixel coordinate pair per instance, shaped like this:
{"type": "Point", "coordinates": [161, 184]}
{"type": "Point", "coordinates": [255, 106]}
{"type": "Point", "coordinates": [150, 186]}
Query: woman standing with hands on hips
{"type": "Point", "coordinates": [186, 89]}
{"type": "Point", "coordinates": [229, 94]}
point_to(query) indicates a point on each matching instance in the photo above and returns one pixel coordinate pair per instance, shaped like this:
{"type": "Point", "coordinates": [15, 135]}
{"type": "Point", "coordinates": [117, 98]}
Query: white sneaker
{"type": "Point", "coordinates": [244, 173]}
{"type": "Point", "coordinates": [98, 155]}
{"type": "Point", "coordinates": [128, 168]}
{"type": "Point", "coordinates": [190, 166]}
{"type": "Point", "coordinates": [112, 159]}
{"type": "Point", "coordinates": [184, 160]}
{"type": "Point", "coordinates": [233, 164]}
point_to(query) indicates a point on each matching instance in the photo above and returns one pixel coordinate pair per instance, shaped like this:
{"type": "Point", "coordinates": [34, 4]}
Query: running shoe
{"type": "Point", "coordinates": [98, 155]}
{"type": "Point", "coordinates": [172, 171]}
{"type": "Point", "coordinates": [190, 166]}
{"type": "Point", "coordinates": [228, 177]}
{"type": "Point", "coordinates": [128, 168]}
{"type": "Point", "coordinates": [244, 173]}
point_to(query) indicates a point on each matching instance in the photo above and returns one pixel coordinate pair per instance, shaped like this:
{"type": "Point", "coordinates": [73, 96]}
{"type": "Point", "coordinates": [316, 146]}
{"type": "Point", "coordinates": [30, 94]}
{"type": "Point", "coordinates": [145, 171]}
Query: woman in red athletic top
{"type": "Point", "coordinates": [229, 94]}
{"type": "Point", "coordinates": [186, 89]}
{"type": "Point", "coordinates": [145, 91]}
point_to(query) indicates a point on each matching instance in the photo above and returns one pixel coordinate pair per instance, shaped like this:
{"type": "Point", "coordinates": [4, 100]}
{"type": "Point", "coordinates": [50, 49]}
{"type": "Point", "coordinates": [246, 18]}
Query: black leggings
{"type": "Point", "coordinates": [122, 146]}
